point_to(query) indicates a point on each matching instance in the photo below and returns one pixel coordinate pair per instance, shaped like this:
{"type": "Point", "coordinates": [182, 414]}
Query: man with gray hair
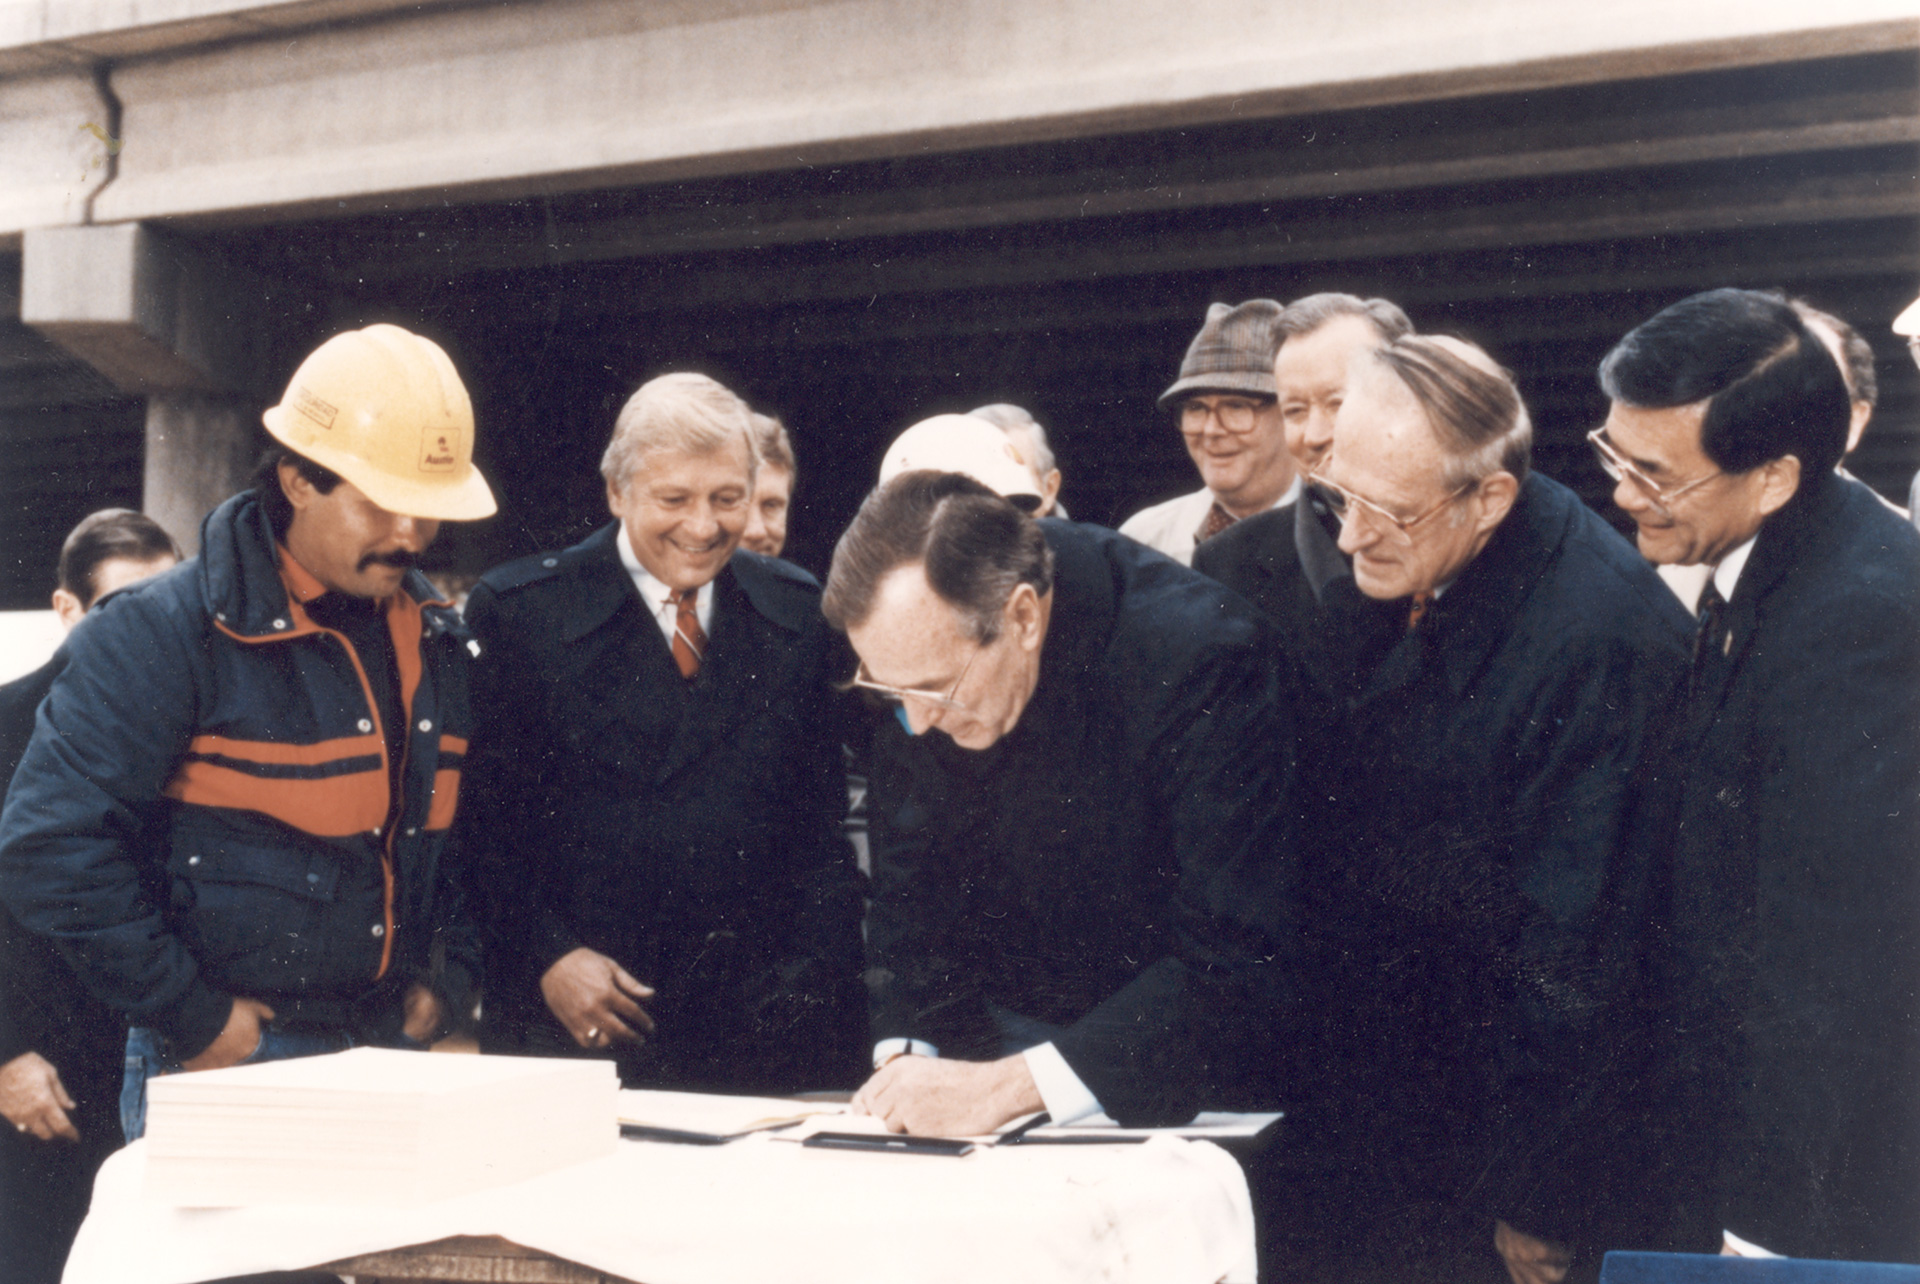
{"type": "Point", "coordinates": [1228, 417]}
{"type": "Point", "coordinates": [1491, 913]}
{"type": "Point", "coordinates": [1287, 561]}
{"type": "Point", "coordinates": [1083, 818]}
{"type": "Point", "coordinates": [657, 789]}
{"type": "Point", "coordinates": [1030, 443]}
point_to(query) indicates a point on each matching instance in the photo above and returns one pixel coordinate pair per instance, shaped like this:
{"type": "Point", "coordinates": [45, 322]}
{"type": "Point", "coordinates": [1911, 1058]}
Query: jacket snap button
{"type": "Point", "coordinates": [365, 724]}
{"type": "Point", "coordinates": [551, 562]}
{"type": "Point", "coordinates": [193, 860]}
{"type": "Point", "coordinates": [426, 724]}
{"type": "Point", "coordinates": [379, 929]}
{"type": "Point", "coordinates": [313, 878]}
{"type": "Point", "coordinates": [279, 624]}
{"type": "Point", "coordinates": [411, 831]}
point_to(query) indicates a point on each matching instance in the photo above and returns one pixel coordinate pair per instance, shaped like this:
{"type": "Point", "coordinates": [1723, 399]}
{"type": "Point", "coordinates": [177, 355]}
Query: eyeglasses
{"type": "Point", "coordinates": [1236, 414]}
{"type": "Point", "coordinates": [934, 699]}
{"type": "Point", "coordinates": [1345, 503]}
{"type": "Point", "coordinates": [1620, 468]}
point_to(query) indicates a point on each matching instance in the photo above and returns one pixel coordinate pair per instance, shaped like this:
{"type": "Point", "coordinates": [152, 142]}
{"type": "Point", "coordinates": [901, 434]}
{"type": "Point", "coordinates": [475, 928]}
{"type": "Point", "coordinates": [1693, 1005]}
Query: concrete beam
{"type": "Point", "coordinates": [56, 149]}
{"type": "Point", "coordinates": [496, 102]}
{"type": "Point", "coordinates": [150, 311]}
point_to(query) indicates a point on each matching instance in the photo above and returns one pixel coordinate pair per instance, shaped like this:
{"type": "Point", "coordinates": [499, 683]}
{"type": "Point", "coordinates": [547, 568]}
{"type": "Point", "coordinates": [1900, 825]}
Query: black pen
{"type": "Point", "coordinates": [1019, 1134]}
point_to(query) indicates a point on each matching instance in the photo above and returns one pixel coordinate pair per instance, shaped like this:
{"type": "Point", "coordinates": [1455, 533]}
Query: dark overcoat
{"type": "Point", "coordinates": [1491, 924]}
{"type": "Point", "coordinates": [689, 830]}
{"type": "Point", "coordinates": [1121, 863]}
{"type": "Point", "coordinates": [1797, 873]}
{"type": "Point", "coordinates": [1287, 562]}
{"type": "Point", "coordinates": [45, 1186]}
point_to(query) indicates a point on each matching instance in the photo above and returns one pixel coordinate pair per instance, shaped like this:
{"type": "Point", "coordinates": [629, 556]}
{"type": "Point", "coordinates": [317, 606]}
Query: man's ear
{"type": "Point", "coordinates": [613, 498]}
{"type": "Point", "coordinates": [1495, 495]}
{"type": "Point", "coordinates": [1779, 482]}
{"type": "Point", "coordinates": [1025, 617]}
{"type": "Point", "coordinates": [298, 490]}
{"type": "Point", "coordinates": [68, 607]}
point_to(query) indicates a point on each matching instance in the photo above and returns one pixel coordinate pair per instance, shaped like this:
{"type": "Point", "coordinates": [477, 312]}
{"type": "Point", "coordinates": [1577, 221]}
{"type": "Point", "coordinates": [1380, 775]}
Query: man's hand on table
{"type": "Point", "coordinates": [596, 999]}
{"type": "Point", "coordinates": [33, 1099]}
{"type": "Point", "coordinates": [936, 1097]}
{"type": "Point", "coordinates": [1530, 1260]}
{"type": "Point", "coordinates": [238, 1041]}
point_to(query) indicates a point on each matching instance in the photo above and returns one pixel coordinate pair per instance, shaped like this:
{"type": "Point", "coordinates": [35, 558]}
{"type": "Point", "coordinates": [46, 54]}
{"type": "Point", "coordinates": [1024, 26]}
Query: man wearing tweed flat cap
{"type": "Point", "coordinates": [1230, 419]}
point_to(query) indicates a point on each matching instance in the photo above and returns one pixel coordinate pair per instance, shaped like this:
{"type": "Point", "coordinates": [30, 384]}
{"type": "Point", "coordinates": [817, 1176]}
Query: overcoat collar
{"type": "Point", "coordinates": [752, 606]}
{"type": "Point", "coordinates": [1466, 625]}
{"type": "Point", "coordinates": [1320, 557]}
{"type": "Point", "coordinates": [1781, 545]}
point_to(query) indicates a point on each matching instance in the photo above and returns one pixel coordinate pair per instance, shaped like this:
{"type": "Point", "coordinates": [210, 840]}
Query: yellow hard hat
{"type": "Point", "coordinates": [385, 409]}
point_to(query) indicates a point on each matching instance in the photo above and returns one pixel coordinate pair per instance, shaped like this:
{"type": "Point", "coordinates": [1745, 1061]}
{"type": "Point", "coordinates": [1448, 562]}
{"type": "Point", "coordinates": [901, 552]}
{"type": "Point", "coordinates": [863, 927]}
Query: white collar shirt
{"type": "Point", "coordinates": [659, 599]}
{"type": "Point", "coordinates": [1727, 573]}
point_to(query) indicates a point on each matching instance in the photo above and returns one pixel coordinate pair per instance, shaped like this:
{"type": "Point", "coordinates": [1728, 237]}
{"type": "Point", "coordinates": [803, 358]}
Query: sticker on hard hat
{"type": "Point", "coordinates": [314, 408]}
{"type": "Point", "coordinates": [437, 452]}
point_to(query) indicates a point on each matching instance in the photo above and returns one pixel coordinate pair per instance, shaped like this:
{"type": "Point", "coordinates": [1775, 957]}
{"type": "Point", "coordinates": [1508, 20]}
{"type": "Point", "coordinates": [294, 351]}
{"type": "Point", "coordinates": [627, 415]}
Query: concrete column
{"type": "Point", "coordinates": [161, 316]}
{"type": "Point", "coordinates": [201, 448]}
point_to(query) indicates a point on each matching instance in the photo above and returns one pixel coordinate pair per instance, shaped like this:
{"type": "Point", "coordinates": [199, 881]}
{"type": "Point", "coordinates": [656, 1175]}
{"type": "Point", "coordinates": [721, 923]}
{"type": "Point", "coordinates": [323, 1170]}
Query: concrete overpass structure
{"type": "Point", "coordinates": [861, 211]}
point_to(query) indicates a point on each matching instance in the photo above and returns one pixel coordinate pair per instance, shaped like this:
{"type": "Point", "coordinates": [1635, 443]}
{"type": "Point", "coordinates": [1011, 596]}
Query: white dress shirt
{"type": "Point", "coordinates": [659, 598]}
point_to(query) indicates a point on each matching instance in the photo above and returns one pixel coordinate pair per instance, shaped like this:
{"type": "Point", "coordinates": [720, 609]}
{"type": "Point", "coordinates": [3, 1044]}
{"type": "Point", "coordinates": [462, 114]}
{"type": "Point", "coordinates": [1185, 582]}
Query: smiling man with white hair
{"type": "Point", "coordinates": [657, 783]}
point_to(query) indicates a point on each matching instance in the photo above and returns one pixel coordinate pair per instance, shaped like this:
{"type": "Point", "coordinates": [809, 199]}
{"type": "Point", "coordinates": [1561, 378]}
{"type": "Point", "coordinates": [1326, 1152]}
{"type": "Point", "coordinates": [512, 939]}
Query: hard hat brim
{"type": "Point", "coordinates": [459, 499]}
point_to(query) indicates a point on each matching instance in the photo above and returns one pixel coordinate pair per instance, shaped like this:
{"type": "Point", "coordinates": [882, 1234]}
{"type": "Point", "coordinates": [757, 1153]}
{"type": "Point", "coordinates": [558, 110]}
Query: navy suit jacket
{"type": "Point", "coordinates": [1797, 882]}
{"type": "Point", "coordinates": [689, 830]}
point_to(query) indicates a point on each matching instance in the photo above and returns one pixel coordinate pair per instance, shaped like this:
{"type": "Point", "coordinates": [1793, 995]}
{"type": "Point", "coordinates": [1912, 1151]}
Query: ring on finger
{"type": "Point", "coordinates": [593, 1032]}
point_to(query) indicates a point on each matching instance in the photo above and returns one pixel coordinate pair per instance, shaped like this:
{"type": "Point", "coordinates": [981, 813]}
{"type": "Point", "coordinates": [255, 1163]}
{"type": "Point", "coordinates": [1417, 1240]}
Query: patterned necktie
{"type": "Point", "coordinates": [1218, 519]}
{"type": "Point", "coordinates": [1417, 608]}
{"type": "Point", "coordinates": [1713, 638]}
{"type": "Point", "coordinates": [689, 639]}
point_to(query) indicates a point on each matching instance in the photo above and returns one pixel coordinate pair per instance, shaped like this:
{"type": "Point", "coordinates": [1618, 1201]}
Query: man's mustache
{"type": "Point", "coordinates": [399, 559]}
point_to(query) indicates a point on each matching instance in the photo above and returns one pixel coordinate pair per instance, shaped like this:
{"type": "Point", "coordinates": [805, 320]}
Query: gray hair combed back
{"type": "Point", "coordinates": [681, 411]}
{"type": "Point", "coordinates": [1474, 408]}
{"type": "Point", "coordinates": [1305, 315]}
{"type": "Point", "coordinates": [976, 548]}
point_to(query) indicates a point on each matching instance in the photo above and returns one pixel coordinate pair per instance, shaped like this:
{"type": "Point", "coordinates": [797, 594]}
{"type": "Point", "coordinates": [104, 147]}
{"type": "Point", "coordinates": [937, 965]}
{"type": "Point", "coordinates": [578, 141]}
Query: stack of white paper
{"type": "Point", "coordinates": [372, 1127]}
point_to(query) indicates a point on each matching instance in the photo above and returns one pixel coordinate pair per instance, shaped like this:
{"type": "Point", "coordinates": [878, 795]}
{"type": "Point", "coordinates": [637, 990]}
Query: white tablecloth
{"type": "Point", "coordinates": [758, 1210]}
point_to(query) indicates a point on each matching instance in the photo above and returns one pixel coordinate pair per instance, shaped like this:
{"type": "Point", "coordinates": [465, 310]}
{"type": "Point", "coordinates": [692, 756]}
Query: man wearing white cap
{"type": "Point", "coordinates": [233, 815]}
{"type": "Point", "coordinates": [967, 445]}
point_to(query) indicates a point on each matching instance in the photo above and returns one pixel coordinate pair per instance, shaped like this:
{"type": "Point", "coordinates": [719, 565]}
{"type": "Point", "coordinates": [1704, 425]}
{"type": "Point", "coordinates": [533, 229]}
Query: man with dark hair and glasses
{"type": "Point", "coordinates": [1796, 857]}
{"type": "Point", "coordinates": [1082, 819]}
{"type": "Point", "coordinates": [1488, 920]}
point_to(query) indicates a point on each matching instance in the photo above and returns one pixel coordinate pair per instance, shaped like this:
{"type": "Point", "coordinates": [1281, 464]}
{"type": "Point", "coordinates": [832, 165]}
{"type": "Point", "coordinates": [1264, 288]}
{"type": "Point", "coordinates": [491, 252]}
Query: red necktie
{"type": "Point", "coordinates": [689, 639]}
{"type": "Point", "coordinates": [1418, 608]}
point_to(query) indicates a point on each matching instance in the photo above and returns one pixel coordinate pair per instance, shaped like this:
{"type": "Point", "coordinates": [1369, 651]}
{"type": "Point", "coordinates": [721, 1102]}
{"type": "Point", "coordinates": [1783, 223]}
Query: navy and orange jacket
{"type": "Point", "coordinates": [202, 811]}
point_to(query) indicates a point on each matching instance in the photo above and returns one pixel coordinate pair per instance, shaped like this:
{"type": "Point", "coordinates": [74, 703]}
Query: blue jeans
{"type": "Point", "coordinates": [147, 1056]}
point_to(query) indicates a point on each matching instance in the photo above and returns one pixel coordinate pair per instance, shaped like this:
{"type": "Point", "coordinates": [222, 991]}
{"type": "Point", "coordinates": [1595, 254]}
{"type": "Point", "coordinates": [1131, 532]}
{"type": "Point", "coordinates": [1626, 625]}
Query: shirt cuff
{"type": "Point", "coordinates": [887, 1048]}
{"type": "Point", "coordinates": [1061, 1091]}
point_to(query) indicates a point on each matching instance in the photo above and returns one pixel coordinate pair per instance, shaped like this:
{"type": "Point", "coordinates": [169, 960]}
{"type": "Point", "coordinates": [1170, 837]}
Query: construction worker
{"type": "Point", "coordinates": [232, 817]}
